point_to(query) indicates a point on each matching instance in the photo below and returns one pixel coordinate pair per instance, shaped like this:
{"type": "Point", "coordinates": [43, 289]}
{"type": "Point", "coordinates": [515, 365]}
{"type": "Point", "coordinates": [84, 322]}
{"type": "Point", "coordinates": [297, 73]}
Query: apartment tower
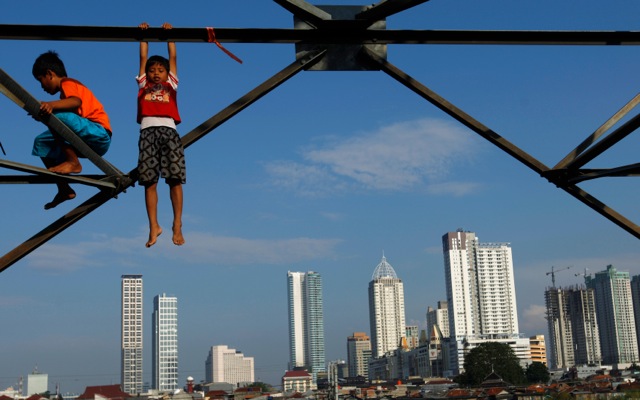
{"type": "Point", "coordinates": [481, 296]}
{"type": "Point", "coordinates": [614, 310]}
{"type": "Point", "coordinates": [386, 309]}
{"type": "Point", "coordinates": [306, 322]}
{"type": "Point", "coordinates": [131, 335]}
{"type": "Point", "coordinates": [164, 337]}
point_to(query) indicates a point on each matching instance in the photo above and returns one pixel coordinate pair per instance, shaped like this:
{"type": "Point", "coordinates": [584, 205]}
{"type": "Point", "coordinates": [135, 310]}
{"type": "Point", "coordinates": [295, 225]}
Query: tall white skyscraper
{"type": "Point", "coordinates": [358, 354]}
{"type": "Point", "coordinates": [164, 337]}
{"type": "Point", "coordinates": [481, 295]}
{"type": "Point", "coordinates": [131, 357]}
{"type": "Point", "coordinates": [386, 309]}
{"type": "Point", "coordinates": [229, 366]}
{"type": "Point", "coordinates": [614, 309]}
{"type": "Point", "coordinates": [306, 322]}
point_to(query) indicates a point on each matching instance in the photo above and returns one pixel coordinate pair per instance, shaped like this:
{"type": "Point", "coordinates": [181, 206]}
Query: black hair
{"type": "Point", "coordinates": [48, 61]}
{"type": "Point", "coordinates": [153, 60]}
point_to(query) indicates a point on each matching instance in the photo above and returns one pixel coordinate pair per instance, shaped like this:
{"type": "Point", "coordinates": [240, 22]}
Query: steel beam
{"type": "Point", "coordinates": [251, 97]}
{"type": "Point", "coordinates": [455, 112]}
{"type": "Point", "coordinates": [598, 132]}
{"type": "Point", "coordinates": [307, 12]}
{"type": "Point", "coordinates": [605, 143]}
{"type": "Point", "coordinates": [52, 230]}
{"type": "Point", "coordinates": [319, 36]}
{"type": "Point", "coordinates": [46, 176]}
{"type": "Point", "coordinates": [503, 144]}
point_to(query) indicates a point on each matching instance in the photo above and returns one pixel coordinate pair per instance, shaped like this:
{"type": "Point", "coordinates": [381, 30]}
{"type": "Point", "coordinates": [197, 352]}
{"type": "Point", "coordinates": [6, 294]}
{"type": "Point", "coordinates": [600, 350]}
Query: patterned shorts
{"type": "Point", "coordinates": [161, 155]}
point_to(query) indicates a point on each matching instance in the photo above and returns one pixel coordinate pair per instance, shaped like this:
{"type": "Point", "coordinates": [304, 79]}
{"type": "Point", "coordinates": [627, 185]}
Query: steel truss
{"type": "Point", "coordinates": [326, 38]}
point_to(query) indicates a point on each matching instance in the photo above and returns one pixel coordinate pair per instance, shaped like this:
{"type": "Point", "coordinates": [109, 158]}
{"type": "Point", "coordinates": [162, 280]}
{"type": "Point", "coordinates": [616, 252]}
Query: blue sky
{"type": "Point", "coordinates": [327, 173]}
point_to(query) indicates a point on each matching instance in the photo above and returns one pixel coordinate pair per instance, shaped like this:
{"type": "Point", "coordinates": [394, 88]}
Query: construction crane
{"type": "Point", "coordinates": [553, 274]}
{"type": "Point", "coordinates": [583, 274]}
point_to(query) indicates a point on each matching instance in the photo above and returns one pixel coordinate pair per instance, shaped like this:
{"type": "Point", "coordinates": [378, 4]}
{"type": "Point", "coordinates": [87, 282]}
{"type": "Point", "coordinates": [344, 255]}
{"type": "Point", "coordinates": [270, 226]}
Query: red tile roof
{"type": "Point", "coordinates": [296, 374]}
{"type": "Point", "coordinates": [112, 392]}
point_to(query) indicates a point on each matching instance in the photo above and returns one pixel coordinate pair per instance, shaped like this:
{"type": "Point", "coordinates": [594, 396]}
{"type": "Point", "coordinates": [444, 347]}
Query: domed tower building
{"type": "Point", "coordinates": [386, 309]}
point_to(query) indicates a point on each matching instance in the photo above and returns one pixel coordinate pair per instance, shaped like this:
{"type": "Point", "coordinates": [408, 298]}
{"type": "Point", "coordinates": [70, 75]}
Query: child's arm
{"type": "Point", "coordinates": [68, 104]}
{"type": "Point", "coordinates": [171, 48]}
{"type": "Point", "coordinates": [144, 50]}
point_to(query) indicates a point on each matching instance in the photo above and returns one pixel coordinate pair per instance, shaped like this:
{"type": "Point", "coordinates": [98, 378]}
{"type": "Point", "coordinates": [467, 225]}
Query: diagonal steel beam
{"type": "Point", "coordinates": [251, 97]}
{"type": "Point", "coordinates": [309, 13]}
{"type": "Point", "coordinates": [598, 132]}
{"type": "Point", "coordinates": [386, 8]}
{"type": "Point", "coordinates": [53, 229]}
{"type": "Point", "coordinates": [588, 174]}
{"type": "Point", "coordinates": [319, 36]}
{"type": "Point", "coordinates": [455, 112]}
{"type": "Point", "coordinates": [46, 176]}
{"type": "Point", "coordinates": [604, 210]}
{"type": "Point", "coordinates": [26, 101]}
{"type": "Point", "coordinates": [503, 144]}
{"type": "Point", "coordinates": [606, 143]}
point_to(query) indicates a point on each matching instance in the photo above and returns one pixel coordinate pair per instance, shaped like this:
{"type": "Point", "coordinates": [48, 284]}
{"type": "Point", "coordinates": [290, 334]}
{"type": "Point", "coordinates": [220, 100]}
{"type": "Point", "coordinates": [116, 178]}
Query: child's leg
{"type": "Point", "coordinates": [175, 191]}
{"type": "Point", "coordinates": [64, 190]}
{"type": "Point", "coordinates": [71, 163]}
{"type": "Point", "coordinates": [151, 202]}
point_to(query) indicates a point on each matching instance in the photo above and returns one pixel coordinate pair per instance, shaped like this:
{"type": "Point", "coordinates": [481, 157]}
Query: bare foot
{"type": "Point", "coordinates": [178, 239]}
{"type": "Point", "coordinates": [60, 197]}
{"type": "Point", "coordinates": [67, 168]}
{"type": "Point", "coordinates": [153, 236]}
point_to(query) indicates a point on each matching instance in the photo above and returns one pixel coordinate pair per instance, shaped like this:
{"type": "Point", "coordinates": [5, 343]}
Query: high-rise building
{"type": "Point", "coordinates": [386, 309]}
{"type": "Point", "coordinates": [481, 296]}
{"type": "Point", "coordinates": [164, 337]}
{"type": "Point", "coordinates": [229, 366]}
{"type": "Point", "coordinates": [131, 357]}
{"type": "Point", "coordinates": [306, 322]}
{"type": "Point", "coordinates": [614, 310]}
{"type": "Point", "coordinates": [358, 354]}
{"type": "Point", "coordinates": [561, 353]}
{"type": "Point", "coordinates": [438, 318]}
{"type": "Point", "coordinates": [635, 296]}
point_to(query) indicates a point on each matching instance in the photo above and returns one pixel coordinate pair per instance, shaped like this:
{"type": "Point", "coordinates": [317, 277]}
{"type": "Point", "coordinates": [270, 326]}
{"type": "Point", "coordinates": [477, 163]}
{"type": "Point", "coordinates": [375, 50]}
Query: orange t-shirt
{"type": "Point", "coordinates": [91, 108]}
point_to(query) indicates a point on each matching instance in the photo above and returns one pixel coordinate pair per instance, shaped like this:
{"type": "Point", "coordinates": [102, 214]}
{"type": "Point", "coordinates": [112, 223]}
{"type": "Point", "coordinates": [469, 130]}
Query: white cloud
{"type": "Point", "coordinates": [533, 319]}
{"type": "Point", "coordinates": [403, 156]}
{"type": "Point", "coordinates": [201, 247]}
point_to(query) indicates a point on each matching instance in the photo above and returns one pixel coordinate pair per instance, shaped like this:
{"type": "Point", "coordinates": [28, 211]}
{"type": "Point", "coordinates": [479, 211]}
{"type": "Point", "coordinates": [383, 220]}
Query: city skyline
{"type": "Point", "coordinates": [327, 172]}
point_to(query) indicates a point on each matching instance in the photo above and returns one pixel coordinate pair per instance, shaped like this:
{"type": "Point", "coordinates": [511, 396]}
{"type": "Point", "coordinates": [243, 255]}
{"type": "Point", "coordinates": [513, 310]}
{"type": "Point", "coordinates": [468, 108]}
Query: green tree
{"type": "Point", "coordinates": [264, 387]}
{"type": "Point", "coordinates": [491, 357]}
{"type": "Point", "coordinates": [537, 372]}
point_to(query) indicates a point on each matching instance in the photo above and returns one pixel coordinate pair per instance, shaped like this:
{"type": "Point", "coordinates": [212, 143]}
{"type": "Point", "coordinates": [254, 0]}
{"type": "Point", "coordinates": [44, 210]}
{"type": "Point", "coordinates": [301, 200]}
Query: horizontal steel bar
{"type": "Point", "coordinates": [46, 176]}
{"type": "Point", "coordinates": [326, 36]}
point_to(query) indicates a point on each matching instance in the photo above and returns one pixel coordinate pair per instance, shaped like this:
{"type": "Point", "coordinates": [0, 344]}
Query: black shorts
{"type": "Point", "coordinates": [161, 154]}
